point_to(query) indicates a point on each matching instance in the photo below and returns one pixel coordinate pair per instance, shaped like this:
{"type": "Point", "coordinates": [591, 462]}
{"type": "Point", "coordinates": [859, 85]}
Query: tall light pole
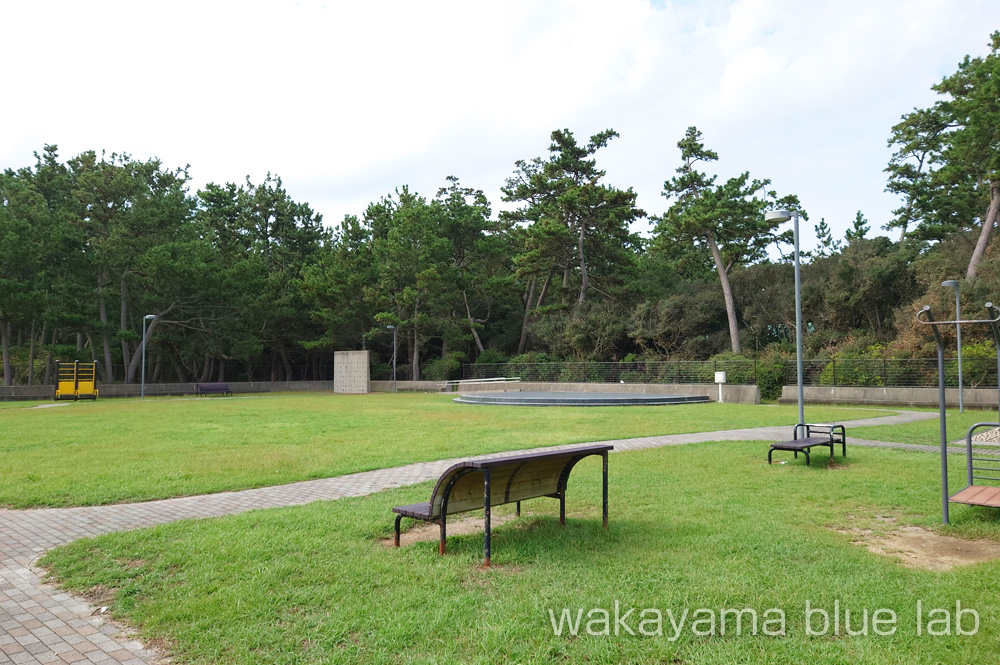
{"type": "Point", "coordinates": [142, 389]}
{"type": "Point", "coordinates": [393, 329]}
{"type": "Point", "coordinates": [784, 216]}
{"type": "Point", "coordinates": [953, 283]}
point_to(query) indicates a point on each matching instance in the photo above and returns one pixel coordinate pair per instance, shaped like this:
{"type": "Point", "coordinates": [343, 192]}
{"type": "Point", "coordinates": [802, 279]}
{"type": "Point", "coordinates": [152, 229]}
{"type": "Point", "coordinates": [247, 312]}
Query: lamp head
{"type": "Point", "coordinates": [951, 283]}
{"type": "Point", "coordinates": [150, 317]}
{"type": "Point", "coordinates": [778, 215]}
{"type": "Point", "coordinates": [390, 327]}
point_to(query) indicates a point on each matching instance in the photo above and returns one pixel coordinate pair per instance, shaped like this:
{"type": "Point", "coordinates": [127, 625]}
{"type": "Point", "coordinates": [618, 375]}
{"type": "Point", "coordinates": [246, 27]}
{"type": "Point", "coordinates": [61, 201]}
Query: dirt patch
{"type": "Point", "coordinates": [426, 533]}
{"type": "Point", "coordinates": [917, 547]}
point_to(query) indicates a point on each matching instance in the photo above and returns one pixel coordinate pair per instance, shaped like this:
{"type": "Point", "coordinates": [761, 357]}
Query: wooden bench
{"type": "Point", "coordinates": [485, 483]}
{"type": "Point", "coordinates": [213, 389]}
{"type": "Point", "coordinates": [819, 434]}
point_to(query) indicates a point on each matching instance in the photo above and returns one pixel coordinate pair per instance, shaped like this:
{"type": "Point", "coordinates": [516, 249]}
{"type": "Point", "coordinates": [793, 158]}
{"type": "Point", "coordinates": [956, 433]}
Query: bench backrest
{"type": "Point", "coordinates": [213, 387]}
{"type": "Point", "coordinates": [513, 478]}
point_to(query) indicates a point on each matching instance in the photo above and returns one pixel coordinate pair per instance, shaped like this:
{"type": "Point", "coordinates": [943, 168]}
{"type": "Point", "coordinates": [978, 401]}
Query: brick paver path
{"type": "Point", "coordinates": [40, 624]}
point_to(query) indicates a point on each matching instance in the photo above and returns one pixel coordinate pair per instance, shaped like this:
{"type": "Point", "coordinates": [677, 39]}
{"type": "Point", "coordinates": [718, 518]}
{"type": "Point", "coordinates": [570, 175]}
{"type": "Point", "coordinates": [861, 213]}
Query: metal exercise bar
{"type": "Point", "coordinates": [969, 454]}
{"type": "Point", "coordinates": [928, 320]}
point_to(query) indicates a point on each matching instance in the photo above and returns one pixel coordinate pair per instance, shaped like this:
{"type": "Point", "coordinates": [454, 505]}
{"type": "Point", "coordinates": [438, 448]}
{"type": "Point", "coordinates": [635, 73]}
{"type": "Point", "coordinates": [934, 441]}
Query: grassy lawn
{"type": "Point", "coordinates": [707, 526]}
{"type": "Point", "coordinates": [113, 451]}
{"type": "Point", "coordinates": [927, 431]}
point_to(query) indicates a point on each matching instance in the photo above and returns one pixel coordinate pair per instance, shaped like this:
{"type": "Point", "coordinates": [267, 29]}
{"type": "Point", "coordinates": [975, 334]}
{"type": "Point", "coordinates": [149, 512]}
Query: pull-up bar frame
{"type": "Point", "coordinates": [928, 320]}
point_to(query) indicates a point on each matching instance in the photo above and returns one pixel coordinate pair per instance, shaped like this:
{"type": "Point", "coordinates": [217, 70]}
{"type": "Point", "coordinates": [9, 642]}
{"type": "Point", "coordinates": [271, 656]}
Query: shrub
{"type": "Point", "coordinates": [444, 369]}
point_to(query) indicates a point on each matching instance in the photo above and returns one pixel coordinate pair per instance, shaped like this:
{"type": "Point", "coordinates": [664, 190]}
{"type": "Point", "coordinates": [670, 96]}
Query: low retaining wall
{"type": "Point", "coordinates": [976, 398]}
{"type": "Point", "coordinates": [730, 392]}
{"type": "Point", "coordinates": [164, 389]}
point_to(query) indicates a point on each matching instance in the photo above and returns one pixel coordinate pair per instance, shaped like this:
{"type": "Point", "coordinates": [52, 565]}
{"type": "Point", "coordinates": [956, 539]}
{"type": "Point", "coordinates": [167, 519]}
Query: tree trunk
{"type": "Point", "coordinates": [31, 353]}
{"type": "Point", "coordinates": [727, 294]}
{"type": "Point", "coordinates": [178, 368]}
{"type": "Point", "coordinates": [527, 316]}
{"type": "Point", "coordinates": [984, 235]}
{"type": "Point", "coordinates": [222, 371]}
{"type": "Point", "coordinates": [48, 368]}
{"type": "Point", "coordinates": [416, 346]}
{"type": "Point", "coordinates": [565, 286]}
{"type": "Point", "coordinates": [584, 277]}
{"type": "Point", "coordinates": [206, 371]}
{"type": "Point", "coordinates": [8, 370]}
{"type": "Point", "coordinates": [126, 352]}
{"type": "Point", "coordinates": [472, 323]}
{"type": "Point", "coordinates": [109, 372]}
{"type": "Point", "coordinates": [284, 361]}
{"type": "Point", "coordinates": [137, 356]}
{"type": "Point", "coordinates": [544, 291]}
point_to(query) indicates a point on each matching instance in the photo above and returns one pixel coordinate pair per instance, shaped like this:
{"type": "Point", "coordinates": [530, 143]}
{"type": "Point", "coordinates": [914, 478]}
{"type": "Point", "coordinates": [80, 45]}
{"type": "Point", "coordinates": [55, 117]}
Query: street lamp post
{"type": "Point", "coordinates": [784, 216]}
{"type": "Point", "coordinates": [393, 329]}
{"type": "Point", "coordinates": [142, 389]}
{"type": "Point", "coordinates": [953, 283]}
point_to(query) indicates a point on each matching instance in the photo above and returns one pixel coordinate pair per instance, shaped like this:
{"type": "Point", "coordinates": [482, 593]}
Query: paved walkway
{"type": "Point", "coordinates": [40, 624]}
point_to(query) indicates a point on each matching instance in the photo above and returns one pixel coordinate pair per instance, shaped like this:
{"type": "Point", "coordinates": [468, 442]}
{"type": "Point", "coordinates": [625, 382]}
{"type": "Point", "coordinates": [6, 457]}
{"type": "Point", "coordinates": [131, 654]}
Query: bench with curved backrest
{"type": "Point", "coordinates": [485, 483]}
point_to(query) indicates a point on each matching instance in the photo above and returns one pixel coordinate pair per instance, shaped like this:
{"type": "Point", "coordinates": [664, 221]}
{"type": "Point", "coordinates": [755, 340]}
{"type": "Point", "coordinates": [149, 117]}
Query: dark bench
{"type": "Point", "coordinates": [485, 483]}
{"type": "Point", "coordinates": [819, 434]}
{"type": "Point", "coordinates": [212, 389]}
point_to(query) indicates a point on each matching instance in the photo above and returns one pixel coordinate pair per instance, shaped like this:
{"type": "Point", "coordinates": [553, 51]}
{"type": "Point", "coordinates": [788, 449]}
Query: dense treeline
{"type": "Point", "coordinates": [247, 283]}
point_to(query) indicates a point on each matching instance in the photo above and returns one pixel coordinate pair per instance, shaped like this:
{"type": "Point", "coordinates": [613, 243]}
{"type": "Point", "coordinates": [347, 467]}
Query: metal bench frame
{"type": "Point", "coordinates": [834, 434]}
{"type": "Point", "coordinates": [446, 483]}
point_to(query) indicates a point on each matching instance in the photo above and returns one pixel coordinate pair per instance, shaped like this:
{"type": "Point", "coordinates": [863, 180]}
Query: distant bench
{"type": "Point", "coordinates": [819, 434]}
{"type": "Point", "coordinates": [485, 483]}
{"type": "Point", "coordinates": [212, 389]}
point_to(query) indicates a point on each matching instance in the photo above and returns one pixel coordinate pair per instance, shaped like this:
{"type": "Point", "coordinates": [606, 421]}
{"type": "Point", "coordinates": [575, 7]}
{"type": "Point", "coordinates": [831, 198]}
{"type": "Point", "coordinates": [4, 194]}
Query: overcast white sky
{"type": "Point", "coordinates": [348, 100]}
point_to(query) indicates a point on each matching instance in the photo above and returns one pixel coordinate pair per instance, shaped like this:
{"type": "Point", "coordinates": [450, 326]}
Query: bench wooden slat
{"type": "Point", "coordinates": [979, 495]}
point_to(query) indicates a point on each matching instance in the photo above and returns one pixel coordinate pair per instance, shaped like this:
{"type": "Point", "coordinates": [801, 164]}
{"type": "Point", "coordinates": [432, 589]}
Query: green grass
{"type": "Point", "coordinates": [927, 431]}
{"type": "Point", "coordinates": [113, 451]}
{"type": "Point", "coordinates": [702, 526]}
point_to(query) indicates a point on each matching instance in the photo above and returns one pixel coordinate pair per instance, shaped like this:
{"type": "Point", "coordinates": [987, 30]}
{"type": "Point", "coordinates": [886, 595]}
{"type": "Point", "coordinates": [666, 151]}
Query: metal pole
{"type": "Point", "coordinates": [394, 359]}
{"type": "Point", "coordinates": [958, 333]}
{"type": "Point", "coordinates": [798, 318]}
{"type": "Point", "coordinates": [142, 389]}
{"type": "Point", "coordinates": [942, 411]}
{"type": "Point", "coordinates": [943, 420]}
{"type": "Point", "coordinates": [993, 313]}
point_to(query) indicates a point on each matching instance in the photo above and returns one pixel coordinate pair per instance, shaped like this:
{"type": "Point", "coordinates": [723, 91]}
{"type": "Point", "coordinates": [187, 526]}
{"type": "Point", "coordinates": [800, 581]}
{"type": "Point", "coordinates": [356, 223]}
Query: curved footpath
{"type": "Point", "coordinates": [41, 624]}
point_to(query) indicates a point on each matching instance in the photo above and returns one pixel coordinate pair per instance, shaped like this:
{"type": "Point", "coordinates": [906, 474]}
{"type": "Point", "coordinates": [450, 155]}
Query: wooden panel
{"type": "Point", "coordinates": [530, 480]}
{"type": "Point", "coordinates": [533, 482]}
{"type": "Point", "coordinates": [978, 495]}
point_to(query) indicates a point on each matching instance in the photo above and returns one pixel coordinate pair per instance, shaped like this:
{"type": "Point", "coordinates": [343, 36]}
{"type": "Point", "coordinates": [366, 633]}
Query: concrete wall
{"type": "Point", "coordinates": [351, 372]}
{"type": "Point", "coordinates": [977, 398]}
{"type": "Point", "coordinates": [162, 389]}
{"type": "Point", "coordinates": [730, 392]}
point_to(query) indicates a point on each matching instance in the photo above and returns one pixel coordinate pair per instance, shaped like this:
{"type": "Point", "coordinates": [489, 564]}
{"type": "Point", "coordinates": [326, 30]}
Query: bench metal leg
{"type": "Point", "coordinates": [605, 497]}
{"type": "Point", "coordinates": [395, 532]}
{"type": "Point", "coordinates": [486, 518]}
{"type": "Point", "coordinates": [769, 453]}
{"type": "Point", "coordinates": [443, 537]}
{"type": "Point", "coordinates": [806, 451]}
{"type": "Point", "coordinates": [562, 508]}
{"type": "Point", "coordinates": [517, 509]}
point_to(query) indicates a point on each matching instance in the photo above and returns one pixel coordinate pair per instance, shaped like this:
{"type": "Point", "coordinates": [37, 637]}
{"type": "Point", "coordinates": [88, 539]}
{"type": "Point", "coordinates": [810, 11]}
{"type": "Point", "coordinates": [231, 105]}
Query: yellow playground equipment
{"type": "Point", "coordinates": [76, 380]}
